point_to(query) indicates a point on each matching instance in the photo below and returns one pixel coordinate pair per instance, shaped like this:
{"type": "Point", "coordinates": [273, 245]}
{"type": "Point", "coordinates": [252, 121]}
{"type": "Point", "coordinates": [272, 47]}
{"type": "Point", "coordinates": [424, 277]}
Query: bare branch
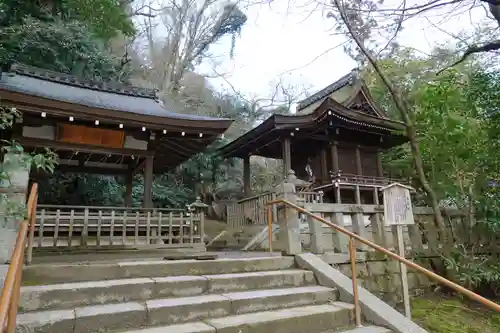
{"type": "Point", "coordinates": [402, 106]}
{"type": "Point", "coordinates": [491, 46]}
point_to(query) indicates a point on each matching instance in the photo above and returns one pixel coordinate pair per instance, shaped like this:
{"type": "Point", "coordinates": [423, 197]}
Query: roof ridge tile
{"type": "Point", "coordinates": [106, 86]}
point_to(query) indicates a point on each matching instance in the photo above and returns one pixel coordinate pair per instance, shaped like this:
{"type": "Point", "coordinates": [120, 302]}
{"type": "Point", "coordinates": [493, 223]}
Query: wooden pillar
{"type": "Point", "coordinates": [128, 189]}
{"type": "Point", "coordinates": [335, 156]}
{"type": "Point", "coordinates": [287, 156]}
{"type": "Point", "coordinates": [247, 185]}
{"type": "Point", "coordinates": [358, 220]}
{"type": "Point", "coordinates": [324, 166]}
{"type": "Point", "coordinates": [148, 182]}
{"type": "Point", "coordinates": [380, 172]}
{"type": "Point", "coordinates": [359, 168]}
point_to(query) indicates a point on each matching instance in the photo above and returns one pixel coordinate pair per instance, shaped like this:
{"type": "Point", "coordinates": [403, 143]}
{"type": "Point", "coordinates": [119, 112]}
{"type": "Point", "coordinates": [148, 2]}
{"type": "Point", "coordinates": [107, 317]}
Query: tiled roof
{"type": "Point", "coordinates": [340, 83]}
{"type": "Point", "coordinates": [103, 95]}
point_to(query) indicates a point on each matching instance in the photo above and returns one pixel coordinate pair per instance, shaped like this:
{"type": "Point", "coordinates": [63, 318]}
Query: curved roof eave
{"type": "Point", "coordinates": [330, 104]}
{"type": "Point", "coordinates": [283, 122]}
{"type": "Point", "coordinates": [266, 125]}
{"type": "Point", "coordinates": [44, 86]}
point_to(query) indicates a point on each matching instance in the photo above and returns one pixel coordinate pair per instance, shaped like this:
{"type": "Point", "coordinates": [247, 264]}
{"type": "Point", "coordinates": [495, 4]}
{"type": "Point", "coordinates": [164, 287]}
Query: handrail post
{"type": "Point", "coordinates": [354, 279]}
{"type": "Point", "coordinates": [32, 223]}
{"type": "Point", "coordinates": [12, 315]}
{"type": "Point", "coordinates": [270, 227]}
{"type": "Point", "coordinates": [353, 236]}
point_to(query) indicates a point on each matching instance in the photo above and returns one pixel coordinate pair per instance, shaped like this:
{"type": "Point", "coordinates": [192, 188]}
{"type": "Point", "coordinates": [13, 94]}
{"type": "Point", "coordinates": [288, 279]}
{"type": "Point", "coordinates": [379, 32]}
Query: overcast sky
{"type": "Point", "coordinates": [294, 41]}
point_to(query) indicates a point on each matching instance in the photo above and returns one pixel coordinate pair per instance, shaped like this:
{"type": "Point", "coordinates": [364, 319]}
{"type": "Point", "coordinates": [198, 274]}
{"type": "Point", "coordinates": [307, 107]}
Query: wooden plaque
{"type": "Point", "coordinates": [397, 205]}
{"type": "Point", "coordinates": [90, 136]}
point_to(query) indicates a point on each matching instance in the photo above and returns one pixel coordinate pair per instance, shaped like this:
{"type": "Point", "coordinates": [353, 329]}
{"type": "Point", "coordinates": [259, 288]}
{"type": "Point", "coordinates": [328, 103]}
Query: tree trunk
{"type": "Point", "coordinates": [405, 115]}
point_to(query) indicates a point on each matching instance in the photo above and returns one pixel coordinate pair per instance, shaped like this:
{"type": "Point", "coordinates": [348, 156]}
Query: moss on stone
{"type": "Point", "coordinates": [451, 315]}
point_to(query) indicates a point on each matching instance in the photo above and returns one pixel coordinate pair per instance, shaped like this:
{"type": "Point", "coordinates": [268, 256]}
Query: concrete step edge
{"type": "Point", "coordinates": [51, 274]}
{"type": "Point", "coordinates": [111, 283]}
{"type": "Point", "coordinates": [366, 329]}
{"type": "Point", "coordinates": [233, 323]}
{"type": "Point", "coordinates": [77, 294]}
{"type": "Point", "coordinates": [156, 262]}
{"type": "Point", "coordinates": [115, 317]}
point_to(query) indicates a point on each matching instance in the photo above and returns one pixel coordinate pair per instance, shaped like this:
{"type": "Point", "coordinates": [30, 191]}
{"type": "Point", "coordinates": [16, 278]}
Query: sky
{"type": "Point", "coordinates": [295, 41]}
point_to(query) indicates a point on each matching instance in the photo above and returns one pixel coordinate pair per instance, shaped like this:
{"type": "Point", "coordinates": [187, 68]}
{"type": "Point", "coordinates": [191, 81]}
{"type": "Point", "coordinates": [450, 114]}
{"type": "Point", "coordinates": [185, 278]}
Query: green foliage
{"type": "Point", "coordinates": [65, 47]}
{"type": "Point", "coordinates": [438, 314]}
{"type": "Point", "coordinates": [104, 18]}
{"type": "Point", "coordinates": [81, 189]}
{"type": "Point", "coordinates": [14, 159]}
{"type": "Point", "coordinates": [458, 125]}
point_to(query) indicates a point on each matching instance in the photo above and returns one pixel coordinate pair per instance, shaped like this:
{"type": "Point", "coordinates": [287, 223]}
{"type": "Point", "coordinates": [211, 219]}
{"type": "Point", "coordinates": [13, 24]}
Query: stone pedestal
{"type": "Point", "coordinates": [13, 202]}
{"type": "Point", "coordinates": [288, 220]}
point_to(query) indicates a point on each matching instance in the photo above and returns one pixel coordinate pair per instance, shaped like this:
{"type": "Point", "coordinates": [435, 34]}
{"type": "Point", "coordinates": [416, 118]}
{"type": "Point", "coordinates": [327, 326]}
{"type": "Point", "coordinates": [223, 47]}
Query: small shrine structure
{"type": "Point", "coordinates": [333, 141]}
{"type": "Point", "coordinates": [106, 128]}
{"type": "Point", "coordinates": [102, 127]}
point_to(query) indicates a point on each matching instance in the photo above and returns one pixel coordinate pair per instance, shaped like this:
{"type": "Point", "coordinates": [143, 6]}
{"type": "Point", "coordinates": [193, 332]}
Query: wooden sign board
{"type": "Point", "coordinates": [90, 135]}
{"type": "Point", "coordinates": [397, 205]}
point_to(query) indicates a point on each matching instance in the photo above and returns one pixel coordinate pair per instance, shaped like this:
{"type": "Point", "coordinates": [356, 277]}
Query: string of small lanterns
{"type": "Point", "coordinates": [96, 122]}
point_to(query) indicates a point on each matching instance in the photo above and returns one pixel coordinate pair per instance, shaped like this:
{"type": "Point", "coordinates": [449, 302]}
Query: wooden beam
{"type": "Point", "coordinates": [335, 156]}
{"type": "Point", "coordinates": [247, 185]}
{"type": "Point", "coordinates": [380, 171]}
{"type": "Point", "coordinates": [57, 145]}
{"type": "Point", "coordinates": [287, 156]}
{"type": "Point", "coordinates": [359, 168]}
{"type": "Point", "coordinates": [138, 167]}
{"type": "Point", "coordinates": [148, 183]}
{"type": "Point", "coordinates": [128, 189]}
{"type": "Point", "coordinates": [91, 170]}
{"type": "Point", "coordinates": [324, 165]}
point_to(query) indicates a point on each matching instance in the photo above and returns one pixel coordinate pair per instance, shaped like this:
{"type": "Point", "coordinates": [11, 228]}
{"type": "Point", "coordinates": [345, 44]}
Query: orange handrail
{"type": "Point", "coordinates": [472, 295]}
{"type": "Point", "coordinates": [9, 298]}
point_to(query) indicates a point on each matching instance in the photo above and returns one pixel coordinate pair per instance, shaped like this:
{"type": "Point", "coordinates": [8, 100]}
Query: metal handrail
{"type": "Point", "coordinates": [9, 298]}
{"type": "Point", "coordinates": [352, 255]}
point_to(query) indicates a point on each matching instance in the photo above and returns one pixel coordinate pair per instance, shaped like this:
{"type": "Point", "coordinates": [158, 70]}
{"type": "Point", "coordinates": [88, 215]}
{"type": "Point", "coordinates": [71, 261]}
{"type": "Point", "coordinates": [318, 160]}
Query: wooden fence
{"type": "Point", "coordinates": [252, 210]}
{"type": "Point", "coordinates": [424, 237]}
{"type": "Point", "coordinates": [81, 226]}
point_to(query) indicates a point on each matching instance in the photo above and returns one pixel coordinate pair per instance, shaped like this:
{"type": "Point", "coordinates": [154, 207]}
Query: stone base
{"type": "Point", "coordinates": [7, 243]}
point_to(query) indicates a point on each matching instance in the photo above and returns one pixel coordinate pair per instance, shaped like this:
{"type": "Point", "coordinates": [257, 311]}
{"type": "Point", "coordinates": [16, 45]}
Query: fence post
{"type": "Point", "coordinates": [198, 207]}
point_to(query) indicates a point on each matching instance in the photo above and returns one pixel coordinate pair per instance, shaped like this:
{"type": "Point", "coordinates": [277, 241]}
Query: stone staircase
{"type": "Point", "coordinates": [241, 295]}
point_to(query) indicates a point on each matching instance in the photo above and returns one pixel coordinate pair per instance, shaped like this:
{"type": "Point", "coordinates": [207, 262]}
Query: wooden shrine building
{"type": "Point", "coordinates": [333, 141]}
{"type": "Point", "coordinates": [102, 127]}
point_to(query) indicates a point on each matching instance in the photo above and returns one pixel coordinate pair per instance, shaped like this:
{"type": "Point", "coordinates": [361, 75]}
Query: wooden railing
{"type": "Point", "coordinates": [12, 283]}
{"type": "Point", "coordinates": [352, 237]}
{"type": "Point", "coordinates": [422, 238]}
{"type": "Point", "coordinates": [92, 226]}
{"type": "Point", "coordinates": [251, 210]}
{"type": "Point", "coordinates": [360, 180]}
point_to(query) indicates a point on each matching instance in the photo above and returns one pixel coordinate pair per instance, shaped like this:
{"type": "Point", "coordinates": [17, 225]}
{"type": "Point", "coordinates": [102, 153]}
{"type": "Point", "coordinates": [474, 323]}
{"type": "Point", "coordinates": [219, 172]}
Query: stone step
{"type": "Point", "coordinates": [306, 319]}
{"type": "Point", "coordinates": [63, 273]}
{"type": "Point", "coordinates": [367, 329]}
{"type": "Point", "coordinates": [70, 295]}
{"type": "Point", "coordinates": [134, 315]}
